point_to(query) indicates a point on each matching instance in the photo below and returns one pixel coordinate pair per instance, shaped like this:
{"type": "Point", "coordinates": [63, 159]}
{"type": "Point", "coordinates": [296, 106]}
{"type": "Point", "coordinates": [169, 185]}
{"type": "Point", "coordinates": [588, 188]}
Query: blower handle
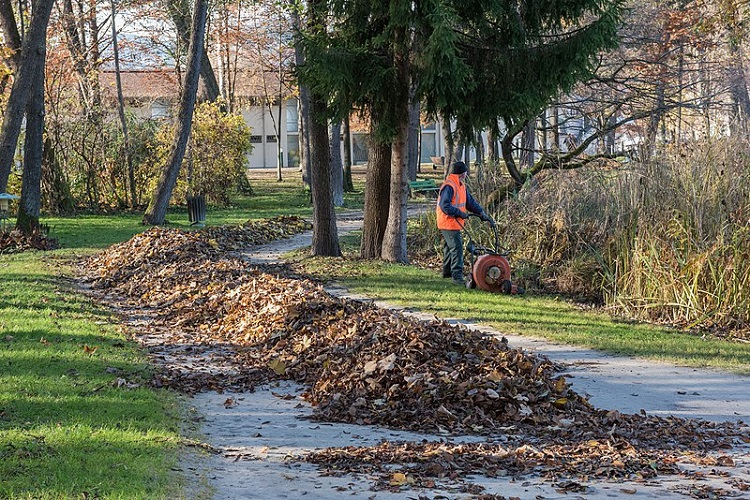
{"type": "Point", "coordinates": [494, 228]}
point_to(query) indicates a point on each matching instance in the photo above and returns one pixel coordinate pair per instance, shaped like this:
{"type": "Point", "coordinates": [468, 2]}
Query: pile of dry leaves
{"type": "Point", "coordinates": [15, 241]}
{"type": "Point", "coordinates": [367, 365]}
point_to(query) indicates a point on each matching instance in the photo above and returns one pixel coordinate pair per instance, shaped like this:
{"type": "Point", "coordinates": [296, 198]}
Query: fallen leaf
{"type": "Point", "coordinates": [398, 479]}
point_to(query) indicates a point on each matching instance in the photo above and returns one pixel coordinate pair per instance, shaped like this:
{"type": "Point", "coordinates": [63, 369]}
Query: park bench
{"type": "Point", "coordinates": [427, 187]}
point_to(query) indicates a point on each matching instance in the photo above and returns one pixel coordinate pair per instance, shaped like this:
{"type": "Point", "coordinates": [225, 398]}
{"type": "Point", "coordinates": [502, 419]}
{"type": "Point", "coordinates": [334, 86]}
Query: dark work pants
{"type": "Point", "coordinates": [453, 254]}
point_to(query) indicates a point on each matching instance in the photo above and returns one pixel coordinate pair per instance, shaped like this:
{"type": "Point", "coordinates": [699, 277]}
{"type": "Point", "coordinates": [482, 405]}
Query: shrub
{"type": "Point", "coordinates": [217, 155]}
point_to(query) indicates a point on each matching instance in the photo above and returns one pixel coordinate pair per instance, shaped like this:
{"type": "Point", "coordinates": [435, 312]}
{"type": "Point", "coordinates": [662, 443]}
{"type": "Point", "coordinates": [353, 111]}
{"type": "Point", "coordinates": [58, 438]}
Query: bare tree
{"type": "Point", "coordinates": [29, 206]}
{"type": "Point", "coordinates": [121, 111]}
{"type": "Point", "coordinates": [157, 208]}
{"type": "Point", "coordinates": [179, 11]}
{"type": "Point", "coordinates": [32, 56]}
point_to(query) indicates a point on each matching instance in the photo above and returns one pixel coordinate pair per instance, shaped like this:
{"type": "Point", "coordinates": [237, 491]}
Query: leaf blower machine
{"type": "Point", "coordinates": [490, 269]}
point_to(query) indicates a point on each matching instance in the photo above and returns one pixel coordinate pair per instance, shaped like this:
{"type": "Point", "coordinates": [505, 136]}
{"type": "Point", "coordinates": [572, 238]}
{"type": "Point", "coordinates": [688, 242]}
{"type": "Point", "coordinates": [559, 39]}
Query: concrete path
{"type": "Point", "coordinates": [260, 430]}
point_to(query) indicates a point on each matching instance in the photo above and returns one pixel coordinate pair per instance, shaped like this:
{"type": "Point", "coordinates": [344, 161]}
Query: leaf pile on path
{"type": "Point", "coordinates": [361, 363]}
{"type": "Point", "coordinates": [367, 365]}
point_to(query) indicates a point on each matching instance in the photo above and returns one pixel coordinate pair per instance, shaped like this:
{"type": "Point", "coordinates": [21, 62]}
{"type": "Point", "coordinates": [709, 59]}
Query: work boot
{"type": "Point", "coordinates": [459, 281]}
{"type": "Point", "coordinates": [446, 274]}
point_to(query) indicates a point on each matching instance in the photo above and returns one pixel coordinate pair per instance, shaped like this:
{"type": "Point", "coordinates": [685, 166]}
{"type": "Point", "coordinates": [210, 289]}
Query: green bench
{"type": "Point", "coordinates": [427, 187]}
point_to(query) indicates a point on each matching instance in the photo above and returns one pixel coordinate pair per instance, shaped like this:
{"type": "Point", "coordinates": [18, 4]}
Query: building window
{"type": "Point", "coordinates": [292, 148]}
{"type": "Point", "coordinates": [292, 117]}
{"type": "Point", "coordinates": [270, 138]}
{"type": "Point", "coordinates": [256, 139]}
{"type": "Point", "coordinates": [159, 109]}
{"type": "Point", "coordinates": [429, 147]}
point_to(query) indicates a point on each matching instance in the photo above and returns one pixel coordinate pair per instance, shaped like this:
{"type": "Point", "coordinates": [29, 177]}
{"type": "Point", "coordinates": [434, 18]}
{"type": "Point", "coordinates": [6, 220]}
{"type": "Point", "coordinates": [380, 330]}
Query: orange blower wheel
{"type": "Point", "coordinates": [492, 273]}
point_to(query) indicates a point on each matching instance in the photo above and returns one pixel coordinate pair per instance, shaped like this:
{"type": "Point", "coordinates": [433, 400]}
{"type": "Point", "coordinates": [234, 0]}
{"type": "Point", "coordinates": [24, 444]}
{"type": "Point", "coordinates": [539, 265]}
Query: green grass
{"type": "Point", "coordinates": [86, 233]}
{"type": "Point", "coordinates": [66, 429]}
{"type": "Point", "coordinates": [535, 316]}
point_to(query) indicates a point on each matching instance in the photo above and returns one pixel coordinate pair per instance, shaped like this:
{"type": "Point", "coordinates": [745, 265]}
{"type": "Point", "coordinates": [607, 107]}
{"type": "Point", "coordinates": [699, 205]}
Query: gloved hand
{"type": "Point", "coordinates": [485, 218]}
{"type": "Point", "coordinates": [463, 215]}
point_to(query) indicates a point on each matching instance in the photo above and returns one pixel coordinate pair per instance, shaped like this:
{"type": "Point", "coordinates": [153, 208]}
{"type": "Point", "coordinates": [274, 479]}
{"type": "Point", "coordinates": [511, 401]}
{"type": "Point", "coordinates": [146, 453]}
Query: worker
{"type": "Point", "coordinates": [453, 207]}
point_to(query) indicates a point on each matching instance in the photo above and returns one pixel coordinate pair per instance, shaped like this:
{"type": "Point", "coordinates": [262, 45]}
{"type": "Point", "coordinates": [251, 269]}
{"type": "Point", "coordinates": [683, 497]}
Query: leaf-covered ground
{"type": "Point", "coordinates": [231, 324]}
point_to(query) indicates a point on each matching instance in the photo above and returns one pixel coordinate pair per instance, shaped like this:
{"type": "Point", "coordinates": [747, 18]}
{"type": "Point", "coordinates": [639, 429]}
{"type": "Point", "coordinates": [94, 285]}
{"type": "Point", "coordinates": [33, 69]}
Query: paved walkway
{"type": "Point", "coordinates": [262, 428]}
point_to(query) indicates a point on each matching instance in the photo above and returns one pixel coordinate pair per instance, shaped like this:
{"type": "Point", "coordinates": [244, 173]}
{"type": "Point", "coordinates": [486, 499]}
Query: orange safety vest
{"type": "Point", "coordinates": [459, 201]}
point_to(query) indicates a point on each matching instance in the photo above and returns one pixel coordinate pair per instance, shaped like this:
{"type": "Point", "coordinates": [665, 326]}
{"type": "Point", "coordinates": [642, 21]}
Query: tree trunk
{"type": "Point", "coordinates": [493, 153]}
{"type": "Point", "coordinates": [555, 124]}
{"type": "Point", "coordinates": [304, 135]}
{"type": "Point", "coordinates": [279, 147]}
{"type": "Point", "coordinates": [449, 147]}
{"type": "Point", "coordinates": [527, 150]}
{"type": "Point", "coordinates": [95, 59]}
{"type": "Point", "coordinates": [29, 205]}
{"type": "Point", "coordinates": [377, 190]}
{"type": "Point", "coordinates": [506, 147]}
{"type": "Point", "coordinates": [348, 183]}
{"type": "Point", "coordinates": [738, 89]}
{"type": "Point", "coordinates": [11, 35]}
{"type": "Point", "coordinates": [31, 53]}
{"type": "Point", "coordinates": [656, 117]}
{"type": "Point", "coordinates": [179, 11]}
{"type": "Point", "coordinates": [414, 136]}
{"type": "Point", "coordinates": [157, 209]}
{"type": "Point", "coordinates": [394, 241]}
{"type": "Point", "coordinates": [325, 240]}
{"type": "Point", "coordinates": [76, 46]}
{"type": "Point", "coordinates": [337, 167]}
{"type": "Point", "coordinates": [480, 149]}
{"type": "Point", "coordinates": [304, 104]}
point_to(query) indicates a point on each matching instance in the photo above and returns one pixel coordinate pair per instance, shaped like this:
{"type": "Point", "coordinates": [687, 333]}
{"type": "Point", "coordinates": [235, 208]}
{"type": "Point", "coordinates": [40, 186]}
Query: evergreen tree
{"type": "Point", "coordinates": [472, 60]}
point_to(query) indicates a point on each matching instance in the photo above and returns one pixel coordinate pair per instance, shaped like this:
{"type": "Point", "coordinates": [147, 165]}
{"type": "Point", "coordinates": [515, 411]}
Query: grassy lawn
{"type": "Point", "coordinates": [76, 418]}
{"type": "Point", "coordinates": [529, 315]}
{"type": "Point", "coordinates": [86, 233]}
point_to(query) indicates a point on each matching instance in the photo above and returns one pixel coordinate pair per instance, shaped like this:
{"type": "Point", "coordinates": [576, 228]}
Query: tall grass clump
{"type": "Point", "coordinates": [684, 255]}
{"type": "Point", "coordinates": [554, 227]}
{"type": "Point", "coordinates": [665, 239]}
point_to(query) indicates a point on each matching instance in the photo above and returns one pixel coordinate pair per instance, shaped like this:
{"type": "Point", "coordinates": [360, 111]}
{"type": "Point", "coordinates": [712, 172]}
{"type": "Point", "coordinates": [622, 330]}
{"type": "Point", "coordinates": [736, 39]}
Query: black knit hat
{"type": "Point", "coordinates": [459, 167]}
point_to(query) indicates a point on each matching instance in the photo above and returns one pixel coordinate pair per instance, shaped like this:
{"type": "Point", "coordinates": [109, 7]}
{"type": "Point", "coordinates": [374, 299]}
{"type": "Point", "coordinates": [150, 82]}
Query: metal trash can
{"type": "Point", "coordinates": [197, 210]}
